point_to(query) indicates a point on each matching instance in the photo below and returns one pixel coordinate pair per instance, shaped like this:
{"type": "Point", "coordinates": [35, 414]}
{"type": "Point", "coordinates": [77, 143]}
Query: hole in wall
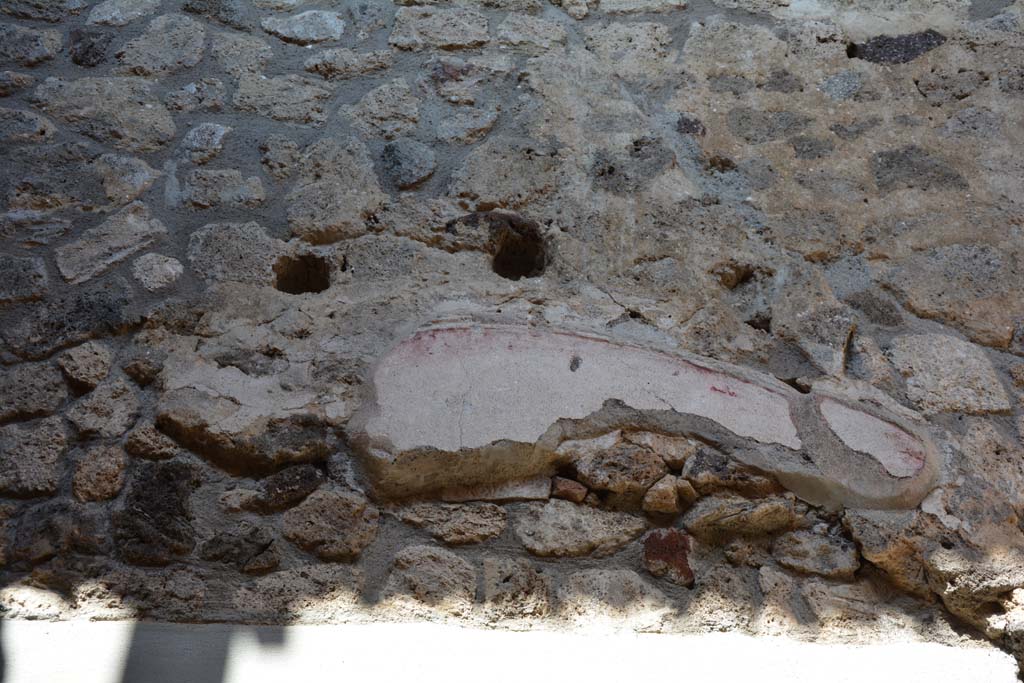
{"type": "Point", "coordinates": [302, 274]}
{"type": "Point", "coordinates": [518, 248]}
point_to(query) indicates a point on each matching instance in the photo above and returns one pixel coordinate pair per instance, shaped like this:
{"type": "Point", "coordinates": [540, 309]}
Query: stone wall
{"type": "Point", "coordinates": [681, 316]}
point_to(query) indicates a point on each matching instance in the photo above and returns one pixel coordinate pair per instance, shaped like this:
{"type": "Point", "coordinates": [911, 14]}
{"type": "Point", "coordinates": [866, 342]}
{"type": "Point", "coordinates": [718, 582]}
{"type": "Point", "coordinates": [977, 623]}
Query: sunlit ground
{"type": "Point", "coordinates": [114, 652]}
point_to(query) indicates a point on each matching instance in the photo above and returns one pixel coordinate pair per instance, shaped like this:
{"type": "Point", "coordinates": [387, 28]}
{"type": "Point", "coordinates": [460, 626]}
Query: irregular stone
{"type": "Point", "coordinates": [389, 110]}
{"type": "Point", "coordinates": [567, 489]}
{"type": "Point", "coordinates": [453, 28]}
{"type": "Point", "coordinates": [623, 469]}
{"type": "Point", "coordinates": [124, 178]}
{"type": "Point", "coordinates": [146, 442]}
{"type": "Point", "coordinates": [467, 126]}
{"type": "Point", "coordinates": [22, 278]}
{"type": "Point", "coordinates": [632, 50]}
{"type": "Point", "coordinates": [341, 63]}
{"type": "Point", "coordinates": [843, 85]}
{"type": "Point", "coordinates": [806, 311]}
{"type": "Point", "coordinates": [68, 318]}
{"type": "Point", "coordinates": [26, 46]}
{"type": "Point", "coordinates": [249, 548]}
{"type": "Point", "coordinates": [336, 195]}
{"type": "Point", "coordinates": [757, 127]}
{"type": "Point", "coordinates": [560, 529]}
{"type": "Point", "coordinates": [154, 527]}
{"type": "Point", "coordinates": [156, 271]}
{"type": "Point", "coordinates": [204, 142]}
{"type": "Point", "coordinates": [537, 488]}
{"type": "Point", "coordinates": [972, 293]}
{"type": "Point", "coordinates": [108, 411]}
{"type": "Point", "coordinates": [171, 43]}
{"type": "Point", "coordinates": [233, 13]}
{"type": "Point", "coordinates": [121, 12]}
{"type": "Point", "coordinates": [207, 94]}
{"type": "Point", "coordinates": [666, 555]}
{"type": "Point", "coordinates": [86, 365]}
{"type": "Point", "coordinates": [285, 489]}
{"type": "Point", "coordinates": [279, 155]}
{"type": "Point", "coordinates": [710, 471]}
{"type": "Point", "coordinates": [945, 374]}
{"type": "Point", "coordinates": [213, 188]}
{"type": "Point", "coordinates": [43, 10]}
{"type": "Point", "coordinates": [620, 594]}
{"type": "Point", "coordinates": [12, 82]}
{"type": "Point", "coordinates": [126, 232]}
{"type": "Point", "coordinates": [119, 111]}
{"type": "Point", "coordinates": [718, 518]}
{"type": "Point", "coordinates": [912, 167]}
{"type": "Point", "coordinates": [30, 456]}
{"type": "Point", "coordinates": [515, 587]}
{"type": "Point", "coordinates": [292, 98]}
{"type": "Point", "coordinates": [641, 6]}
{"type": "Point", "coordinates": [663, 497]}
{"type": "Point", "coordinates": [56, 529]}
{"type": "Point", "coordinates": [314, 26]}
{"type": "Point", "coordinates": [456, 524]}
{"type": "Point", "coordinates": [407, 163]}
{"type": "Point", "coordinates": [30, 390]}
{"type": "Point", "coordinates": [240, 54]}
{"type": "Point", "coordinates": [524, 30]}
{"type": "Point", "coordinates": [459, 81]}
{"type": "Point", "coordinates": [332, 525]}
{"type": "Point", "coordinates": [236, 252]}
{"type": "Point", "coordinates": [896, 49]}
{"type": "Point", "coordinates": [826, 555]}
{"type": "Point", "coordinates": [99, 474]}
{"type": "Point", "coordinates": [18, 127]}
{"type": "Point", "coordinates": [433, 576]}
{"type": "Point", "coordinates": [810, 147]}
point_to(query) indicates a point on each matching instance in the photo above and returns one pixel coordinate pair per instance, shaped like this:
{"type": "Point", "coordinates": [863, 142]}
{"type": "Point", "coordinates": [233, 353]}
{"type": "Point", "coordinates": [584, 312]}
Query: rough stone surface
{"type": "Point", "coordinates": [721, 517]}
{"type": "Point", "coordinates": [99, 249]}
{"type": "Point", "coordinates": [534, 277]}
{"type": "Point", "coordinates": [432, 576]}
{"type": "Point", "coordinates": [811, 553]}
{"type": "Point", "coordinates": [250, 549]}
{"type": "Point", "coordinates": [154, 526]}
{"type": "Point", "coordinates": [30, 457]}
{"type": "Point", "coordinates": [456, 524]}
{"type": "Point", "coordinates": [204, 142]}
{"type": "Point", "coordinates": [170, 44]}
{"type": "Point", "coordinates": [122, 111]}
{"type": "Point", "coordinates": [28, 47]}
{"type": "Point", "coordinates": [559, 528]}
{"type": "Point", "coordinates": [331, 524]}
{"type": "Point", "coordinates": [108, 411]}
{"type": "Point", "coordinates": [407, 163]}
{"type": "Point", "coordinates": [292, 99]}
{"type": "Point", "coordinates": [945, 374]}
{"type": "Point", "coordinates": [121, 12]}
{"type": "Point", "coordinates": [306, 28]}
{"type": "Point", "coordinates": [666, 555]}
{"type": "Point", "coordinates": [156, 271]}
{"type": "Point", "coordinates": [30, 390]}
{"type": "Point", "coordinates": [100, 473]}
{"type": "Point", "coordinates": [86, 365]}
{"type": "Point", "coordinates": [454, 28]}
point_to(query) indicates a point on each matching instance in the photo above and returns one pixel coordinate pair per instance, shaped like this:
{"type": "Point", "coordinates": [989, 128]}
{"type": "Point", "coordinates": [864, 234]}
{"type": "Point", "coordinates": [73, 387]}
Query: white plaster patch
{"type": "Point", "coordinates": [900, 453]}
{"type": "Point", "coordinates": [451, 388]}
